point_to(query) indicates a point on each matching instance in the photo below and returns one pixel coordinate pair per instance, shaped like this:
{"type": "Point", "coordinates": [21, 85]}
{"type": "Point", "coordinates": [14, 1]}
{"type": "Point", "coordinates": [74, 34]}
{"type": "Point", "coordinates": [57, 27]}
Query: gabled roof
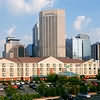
{"type": "Point", "coordinates": [25, 59]}
{"type": "Point", "coordinates": [69, 60]}
{"type": "Point", "coordinates": [38, 59]}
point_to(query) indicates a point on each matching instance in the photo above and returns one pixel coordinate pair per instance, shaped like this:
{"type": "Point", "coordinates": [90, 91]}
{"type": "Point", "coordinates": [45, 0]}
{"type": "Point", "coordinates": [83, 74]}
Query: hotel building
{"type": "Point", "coordinates": [25, 68]}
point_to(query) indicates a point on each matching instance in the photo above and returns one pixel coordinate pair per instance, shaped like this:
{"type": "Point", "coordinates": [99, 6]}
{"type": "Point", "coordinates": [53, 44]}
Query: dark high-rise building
{"type": "Point", "coordinates": [36, 37]}
{"type": "Point", "coordinates": [95, 51]}
{"type": "Point", "coordinates": [28, 50]}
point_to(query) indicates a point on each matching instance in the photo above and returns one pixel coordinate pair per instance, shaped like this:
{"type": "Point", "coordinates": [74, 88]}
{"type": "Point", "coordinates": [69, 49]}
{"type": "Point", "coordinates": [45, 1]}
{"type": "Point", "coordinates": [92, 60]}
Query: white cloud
{"type": "Point", "coordinates": [94, 34]}
{"type": "Point", "coordinates": [27, 6]}
{"type": "Point", "coordinates": [27, 39]}
{"type": "Point", "coordinates": [81, 22]}
{"type": "Point", "coordinates": [11, 30]}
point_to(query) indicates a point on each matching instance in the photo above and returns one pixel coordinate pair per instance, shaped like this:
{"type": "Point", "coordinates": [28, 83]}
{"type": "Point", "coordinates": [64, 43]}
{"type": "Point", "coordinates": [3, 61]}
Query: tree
{"type": "Point", "coordinates": [83, 89]}
{"type": "Point", "coordinates": [52, 78]}
{"type": "Point", "coordinates": [10, 91]}
{"type": "Point", "coordinates": [98, 76]}
{"type": "Point", "coordinates": [42, 89]}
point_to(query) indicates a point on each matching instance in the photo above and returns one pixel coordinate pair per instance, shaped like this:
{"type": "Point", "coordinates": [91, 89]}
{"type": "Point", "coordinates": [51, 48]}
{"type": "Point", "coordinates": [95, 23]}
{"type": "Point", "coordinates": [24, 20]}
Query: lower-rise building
{"type": "Point", "coordinates": [25, 68]}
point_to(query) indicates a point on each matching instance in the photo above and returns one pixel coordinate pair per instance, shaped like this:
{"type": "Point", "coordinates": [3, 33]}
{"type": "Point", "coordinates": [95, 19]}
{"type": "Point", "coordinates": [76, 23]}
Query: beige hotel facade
{"type": "Point", "coordinates": [25, 68]}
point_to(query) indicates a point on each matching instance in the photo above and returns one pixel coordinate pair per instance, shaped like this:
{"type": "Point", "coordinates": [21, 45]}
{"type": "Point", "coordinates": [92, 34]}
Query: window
{"type": "Point", "coordinates": [47, 69]}
{"type": "Point", "coordinates": [33, 65]}
{"type": "Point", "coordinates": [27, 65]}
{"type": "Point", "coordinates": [11, 69]}
{"type": "Point", "coordinates": [54, 65]}
{"type": "Point", "coordinates": [89, 68]}
{"type": "Point", "coordinates": [3, 69]}
{"type": "Point", "coordinates": [65, 65]}
{"type": "Point", "coordinates": [18, 65]}
{"type": "Point", "coordinates": [65, 69]}
{"type": "Point", "coordinates": [90, 65]}
{"type": "Point", "coordinates": [77, 65]}
{"type": "Point", "coordinates": [70, 69]}
{"type": "Point", "coordinates": [94, 65]}
{"type": "Point", "coordinates": [41, 65]}
{"type": "Point", "coordinates": [94, 68]}
{"type": "Point", "coordinates": [60, 65]}
{"type": "Point", "coordinates": [3, 65]}
{"type": "Point", "coordinates": [85, 70]}
{"type": "Point", "coordinates": [94, 72]}
{"type": "Point", "coordinates": [54, 69]}
{"type": "Point", "coordinates": [11, 64]}
{"type": "Point", "coordinates": [26, 74]}
{"type": "Point", "coordinates": [85, 65]}
{"type": "Point", "coordinates": [48, 65]}
{"type": "Point", "coordinates": [89, 72]}
{"type": "Point", "coordinates": [3, 74]}
{"type": "Point", "coordinates": [18, 73]}
{"type": "Point", "coordinates": [41, 71]}
{"type": "Point", "coordinates": [59, 69]}
{"type": "Point", "coordinates": [11, 74]}
{"type": "Point", "coordinates": [70, 65]}
{"type": "Point", "coordinates": [27, 69]}
{"type": "Point", "coordinates": [18, 69]}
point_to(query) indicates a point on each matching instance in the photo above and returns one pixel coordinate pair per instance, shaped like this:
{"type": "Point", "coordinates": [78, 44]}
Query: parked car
{"type": "Point", "coordinates": [22, 83]}
{"type": "Point", "coordinates": [1, 88]}
{"type": "Point", "coordinates": [12, 83]}
{"type": "Point", "coordinates": [21, 87]}
{"type": "Point", "coordinates": [32, 85]}
{"type": "Point", "coordinates": [18, 83]}
{"type": "Point", "coordinates": [84, 95]}
{"type": "Point", "coordinates": [14, 86]}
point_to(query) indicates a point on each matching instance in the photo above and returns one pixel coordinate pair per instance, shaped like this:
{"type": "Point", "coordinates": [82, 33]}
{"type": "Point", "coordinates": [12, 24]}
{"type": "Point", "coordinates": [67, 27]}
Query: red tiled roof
{"type": "Point", "coordinates": [37, 59]}
{"type": "Point", "coordinates": [69, 60]}
{"type": "Point", "coordinates": [25, 59]}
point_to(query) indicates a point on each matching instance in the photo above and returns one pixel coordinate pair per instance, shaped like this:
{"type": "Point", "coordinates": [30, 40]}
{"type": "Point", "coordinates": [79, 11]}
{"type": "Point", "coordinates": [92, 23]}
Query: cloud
{"type": "Point", "coordinates": [28, 6]}
{"type": "Point", "coordinates": [11, 30]}
{"type": "Point", "coordinates": [27, 39]}
{"type": "Point", "coordinates": [94, 34]}
{"type": "Point", "coordinates": [81, 22]}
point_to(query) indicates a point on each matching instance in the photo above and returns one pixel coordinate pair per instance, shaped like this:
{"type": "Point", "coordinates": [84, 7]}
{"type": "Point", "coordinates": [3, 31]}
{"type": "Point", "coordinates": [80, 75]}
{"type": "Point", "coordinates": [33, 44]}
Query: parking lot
{"type": "Point", "coordinates": [26, 90]}
{"type": "Point", "coordinates": [95, 97]}
{"type": "Point", "coordinates": [22, 87]}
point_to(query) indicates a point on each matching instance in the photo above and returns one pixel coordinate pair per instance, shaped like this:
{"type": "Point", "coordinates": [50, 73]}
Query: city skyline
{"type": "Point", "coordinates": [17, 18]}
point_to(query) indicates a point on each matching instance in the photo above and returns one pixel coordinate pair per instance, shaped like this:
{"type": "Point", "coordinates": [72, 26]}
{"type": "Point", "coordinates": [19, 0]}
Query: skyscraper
{"type": "Point", "coordinates": [95, 51]}
{"type": "Point", "coordinates": [79, 47]}
{"type": "Point", "coordinates": [36, 39]}
{"type": "Point", "coordinates": [52, 33]}
{"type": "Point", "coordinates": [13, 48]}
{"type": "Point", "coordinates": [76, 48]}
{"type": "Point", "coordinates": [28, 50]}
{"type": "Point", "coordinates": [86, 46]}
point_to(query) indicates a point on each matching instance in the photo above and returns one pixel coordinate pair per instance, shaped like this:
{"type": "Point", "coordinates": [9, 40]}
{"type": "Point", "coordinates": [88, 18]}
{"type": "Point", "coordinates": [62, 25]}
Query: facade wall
{"type": "Point", "coordinates": [90, 68]}
{"type": "Point", "coordinates": [79, 47]}
{"type": "Point", "coordinates": [52, 33]}
{"type": "Point", "coordinates": [95, 51]}
{"type": "Point", "coordinates": [76, 48]}
{"type": "Point", "coordinates": [10, 70]}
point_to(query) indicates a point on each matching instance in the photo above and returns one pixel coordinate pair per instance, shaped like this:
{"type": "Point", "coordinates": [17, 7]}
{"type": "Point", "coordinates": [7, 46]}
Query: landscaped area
{"type": "Point", "coordinates": [53, 85]}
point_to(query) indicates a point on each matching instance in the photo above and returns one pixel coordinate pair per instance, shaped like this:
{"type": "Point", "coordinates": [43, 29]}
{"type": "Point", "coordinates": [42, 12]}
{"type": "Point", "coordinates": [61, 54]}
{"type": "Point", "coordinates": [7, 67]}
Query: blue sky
{"type": "Point", "coordinates": [17, 18]}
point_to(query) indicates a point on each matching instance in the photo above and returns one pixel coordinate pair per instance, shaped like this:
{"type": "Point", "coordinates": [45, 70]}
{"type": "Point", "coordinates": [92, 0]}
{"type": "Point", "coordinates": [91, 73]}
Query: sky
{"type": "Point", "coordinates": [17, 18]}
